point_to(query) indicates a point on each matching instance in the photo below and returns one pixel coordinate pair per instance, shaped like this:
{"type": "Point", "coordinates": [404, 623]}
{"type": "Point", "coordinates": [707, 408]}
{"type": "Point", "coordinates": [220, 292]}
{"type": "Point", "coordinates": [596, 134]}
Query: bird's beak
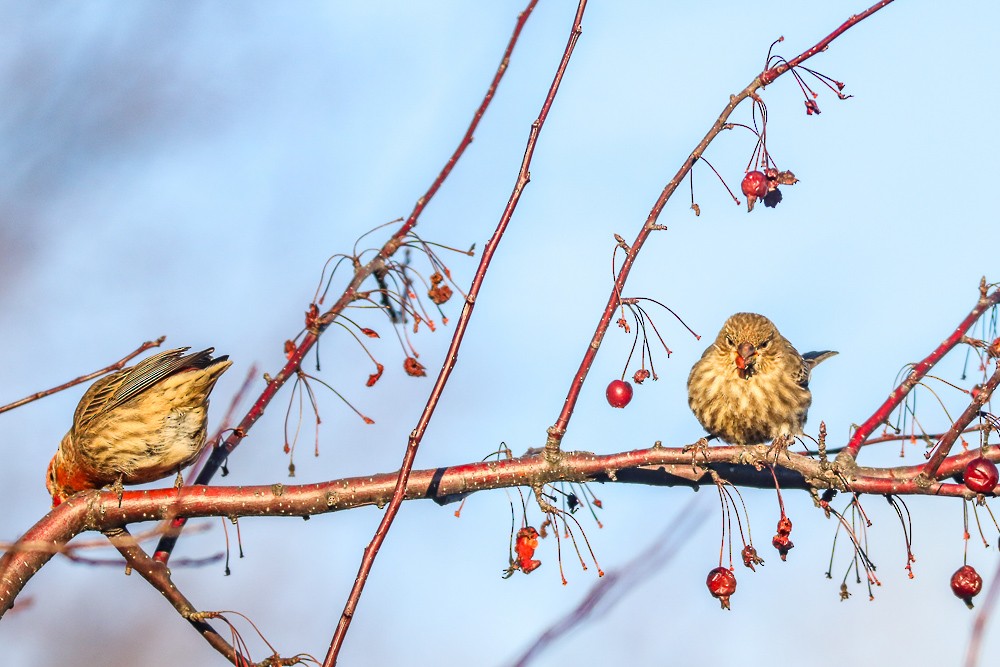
{"type": "Point", "coordinates": [746, 354]}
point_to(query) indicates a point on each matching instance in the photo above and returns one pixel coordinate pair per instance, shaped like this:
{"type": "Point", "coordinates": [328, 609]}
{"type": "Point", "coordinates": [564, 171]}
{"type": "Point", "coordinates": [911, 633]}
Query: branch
{"type": "Point", "coordinates": [558, 430]}
{"type": "Point", "coordinates": [773, 73]}
{"type": "Point", "coordinates": [361, 273]}
{"type": "Point", "coordinates": [918, 372]}
{"type": "Point", "coordinates": [117, 366]}
{"type": "Point", "coordinates": [657, 465]}
{"type": "Point", "coordinates": [158, 575]}
{"type": "Point", "coordinates": [451, 358]}
{"type": "Point", "coordinates": [971, 412]}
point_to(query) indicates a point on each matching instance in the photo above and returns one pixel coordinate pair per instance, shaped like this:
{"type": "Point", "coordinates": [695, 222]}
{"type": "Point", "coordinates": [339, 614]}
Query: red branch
{"type": "Point", "coordinates": [451, 358]}
{"type": "Point", "coordinates": [947, 441]}
{"type": "Point", "coordinates": [768, 76]}
{"type": "Point", "coordinates": [671, 466]}
{"type": "Point", "coordinates": [558, 430]}
{"type": "Point", "coordinates": [919, 371]}
{"type": "Point", "coordinates": [158, 575]}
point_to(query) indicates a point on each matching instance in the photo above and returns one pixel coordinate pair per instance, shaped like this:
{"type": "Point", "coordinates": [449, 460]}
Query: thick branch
{"type": "Point", "coordinates": [100, 510]}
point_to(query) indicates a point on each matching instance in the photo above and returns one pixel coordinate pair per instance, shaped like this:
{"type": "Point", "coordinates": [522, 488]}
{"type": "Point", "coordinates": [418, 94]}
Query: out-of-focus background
{"type": "Point", "coordinates": [187, 169]}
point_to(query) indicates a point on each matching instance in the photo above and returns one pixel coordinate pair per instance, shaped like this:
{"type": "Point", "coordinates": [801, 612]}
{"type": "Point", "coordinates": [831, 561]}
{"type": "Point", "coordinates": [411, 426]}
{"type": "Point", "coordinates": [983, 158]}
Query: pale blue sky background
{"type": "Point", "coordinates": [186, 169]}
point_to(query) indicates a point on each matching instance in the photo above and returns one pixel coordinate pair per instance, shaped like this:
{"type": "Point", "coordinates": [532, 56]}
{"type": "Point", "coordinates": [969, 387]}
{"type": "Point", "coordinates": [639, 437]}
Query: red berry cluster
{"type": "Point", "coordinates": [721, 584]}
{"type": "Point", "coordinates": [781, 541]}
{"type": "Point", "coordinates": [764, 185]}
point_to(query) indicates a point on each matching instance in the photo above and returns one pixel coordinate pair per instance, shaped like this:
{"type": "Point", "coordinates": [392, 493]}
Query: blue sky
{"type": "Point", "coordinates": [187, 169]}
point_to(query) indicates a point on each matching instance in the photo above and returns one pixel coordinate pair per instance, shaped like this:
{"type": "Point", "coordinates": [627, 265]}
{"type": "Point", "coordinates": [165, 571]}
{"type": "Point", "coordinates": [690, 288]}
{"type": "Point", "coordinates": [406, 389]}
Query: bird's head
{"type": "Point", "coordinates": [746, 338]}
{"type": "Point", "coordinates": [53, 484]}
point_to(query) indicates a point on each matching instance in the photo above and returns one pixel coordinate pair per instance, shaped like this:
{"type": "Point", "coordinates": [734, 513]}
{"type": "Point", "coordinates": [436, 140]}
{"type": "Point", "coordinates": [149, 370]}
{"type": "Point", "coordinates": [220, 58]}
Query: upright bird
{"type": "Point", "coordinates": [137, 425]}
{"type": "Point", "coordinates": [751, 386]}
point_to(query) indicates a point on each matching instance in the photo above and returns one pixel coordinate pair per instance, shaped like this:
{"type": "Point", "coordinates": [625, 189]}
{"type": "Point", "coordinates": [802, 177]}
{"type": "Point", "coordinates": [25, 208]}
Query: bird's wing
{"type": "Point", "coordinates": [152, 370]}
{"type": "Point", "coordinates": [118, 388]}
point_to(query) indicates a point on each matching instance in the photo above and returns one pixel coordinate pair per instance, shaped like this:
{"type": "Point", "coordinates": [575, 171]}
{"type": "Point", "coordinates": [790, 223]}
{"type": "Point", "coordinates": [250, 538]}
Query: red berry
{"type": "Point", "coordinates": [754, 184]}
{"type": "Point", "coordinates": [721, 584]}
{"type": "Point", "coordinates": [750, 557]}
{"type": "Point", "coordinates": [981, 475]}
{"type": "Point", "coordinates": [783, 545]}
{"type": "Point", "coordinates": [619, 393]}
{"type": "Point", "coordinates": [966, 583]}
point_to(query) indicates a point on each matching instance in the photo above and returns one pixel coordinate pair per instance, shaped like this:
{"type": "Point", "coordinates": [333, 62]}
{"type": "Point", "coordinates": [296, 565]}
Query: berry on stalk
{"type": "Point", "coordinates": [721, 584]}
{"type": "Point", "coordinates": [619, 393]}
{"type": "Point", "coordinates": [781, 541]}
{"type": "Point", "coordinates": [966, 584]}
{"type": "Point", "coordinates": [981, 475]}
{"type": "Point", "coordinates": [754, 186]}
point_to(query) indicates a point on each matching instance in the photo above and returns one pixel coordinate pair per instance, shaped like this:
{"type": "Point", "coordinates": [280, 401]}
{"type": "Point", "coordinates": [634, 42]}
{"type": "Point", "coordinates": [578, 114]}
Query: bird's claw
{"type": "Point", "coordinates": [780, 446]}
{"type": "Point", "coordinates": [748, 457]}
{"type": "Point", "coordinates": [118, 489]}
{"type": "Point", "coordinates": [701, 446]}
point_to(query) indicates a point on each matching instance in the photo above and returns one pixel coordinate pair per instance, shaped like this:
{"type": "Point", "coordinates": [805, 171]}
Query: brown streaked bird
{"type": "Point", "coordinates": [751, 386]}
{"type": "Point", "coordinates": [137, 425]}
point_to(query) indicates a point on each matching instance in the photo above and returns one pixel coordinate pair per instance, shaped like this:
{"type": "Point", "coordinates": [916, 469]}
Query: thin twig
{"type": "Point", "coordinates": [117, 366]}
{"type": "Point", "coordinates": [971, 412]}
{"type": "Point", "coordinates": [158, 576]}
{"type": "Point", "coordinates": [416, 436]}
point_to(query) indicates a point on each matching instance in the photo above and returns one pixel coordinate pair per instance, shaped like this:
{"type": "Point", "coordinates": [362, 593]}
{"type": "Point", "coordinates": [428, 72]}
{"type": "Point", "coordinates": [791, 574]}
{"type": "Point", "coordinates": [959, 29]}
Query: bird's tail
{"type": "Point", "coordinates": [815, 358]}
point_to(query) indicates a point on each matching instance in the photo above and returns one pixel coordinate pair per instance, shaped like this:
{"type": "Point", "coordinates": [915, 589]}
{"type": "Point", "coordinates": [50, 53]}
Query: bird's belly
{"type": "Point", "coordinates": [143, 451]}
{"type": "Point", "coordinates": [744, 413]}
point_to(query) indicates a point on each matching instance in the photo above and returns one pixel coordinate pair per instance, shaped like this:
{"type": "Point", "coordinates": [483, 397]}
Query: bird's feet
{"type": "Point", "coordinates": [119, 488]}
{"type": "Point", "coordinates": [695, 448]}
{"type": "Point", "coordinates": [780, 446]}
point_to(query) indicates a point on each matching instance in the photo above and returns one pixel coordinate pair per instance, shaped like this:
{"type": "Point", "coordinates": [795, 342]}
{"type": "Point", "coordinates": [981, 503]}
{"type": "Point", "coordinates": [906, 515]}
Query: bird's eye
{"type": "Point", "coordinates": [729, 339]}
{"type": "Point", "coordinates": [763, 345]}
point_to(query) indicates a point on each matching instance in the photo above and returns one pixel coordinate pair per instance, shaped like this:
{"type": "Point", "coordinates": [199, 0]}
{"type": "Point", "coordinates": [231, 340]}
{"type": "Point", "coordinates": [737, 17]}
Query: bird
{"type": "Point", "coordinates": [137, 425]}
{"type": "Point", "coordinates": [751, 386]}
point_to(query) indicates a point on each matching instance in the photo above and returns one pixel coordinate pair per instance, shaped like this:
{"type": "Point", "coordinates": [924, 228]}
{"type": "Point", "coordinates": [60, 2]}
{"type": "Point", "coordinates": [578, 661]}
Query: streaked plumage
{"type": "Point", "coordinates": [751, 386]}
{"type": "Point", "coordinates": [137, 425]}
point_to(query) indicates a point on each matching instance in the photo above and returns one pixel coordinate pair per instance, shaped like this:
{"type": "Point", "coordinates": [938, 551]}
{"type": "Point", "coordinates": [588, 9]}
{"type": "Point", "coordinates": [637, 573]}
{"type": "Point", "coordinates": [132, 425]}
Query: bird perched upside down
{"type": "Point", "coordinates": [137, 425]}
{"type": "Point", "coordinates": [751, 386]}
